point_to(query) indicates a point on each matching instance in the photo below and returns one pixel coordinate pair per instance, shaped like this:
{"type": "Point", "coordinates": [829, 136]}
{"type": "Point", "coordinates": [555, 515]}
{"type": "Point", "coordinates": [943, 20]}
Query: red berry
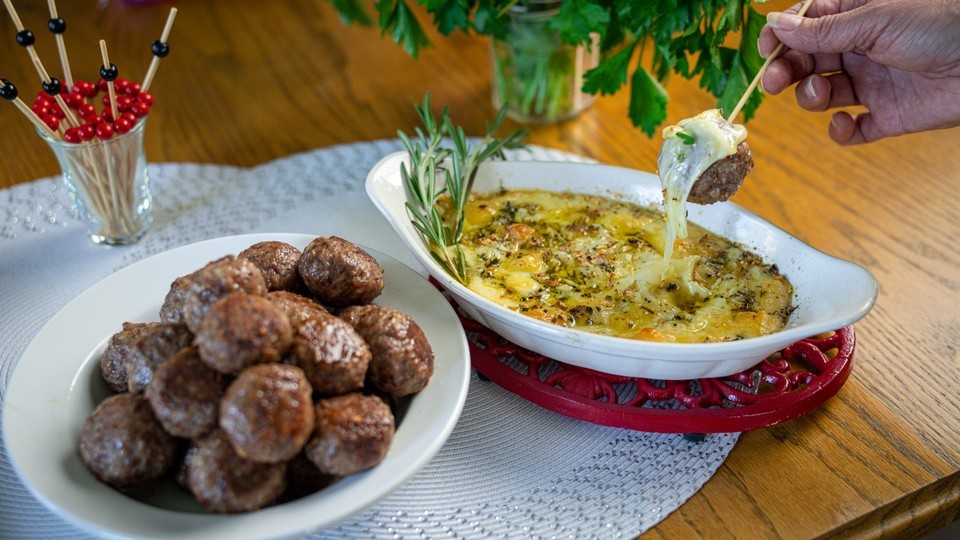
{"type": "Point", "coordinates": [72, 135]}
{"type": "Point", "coordinates": [134, 89]}
{"type": "Point", "coordinates": [106, 100]}
{"type": "Point", "coordinates": [102, 85]}
{"type": "Point", "coordinates": [124, 103]}
{"type": "Point", "coordinates": [104, 130]}
{"type": "Point", "coordinates": [120, 85]}
{"type": "Point", "coordinates": [41, 95]}
{"type": "Point", "coordinates": [140, 109]}
{"type": "Point", "coordinates": [128, 116]}
{"type": "Point", "coordinates": [93, 119]}
{"type": "Point", "coordinates": [122, 125]}
{"type": "Point", "coordinates": [107, 115]}
{"type": "Point", "coordinates": [52, 122]}
{"type": "Point", "coordinates": [145, 97]}
{"type": "Point", "coordinates": [41, 108]}
{"type": "Point", "coordinates": [73, 100]}
{"type": "Point", "coordinates": [85, 88]}
{"type": "Point", "coordinates": [87, 109]}
{"type": "Point", "coordinates": [56, 110]}
{"type": "Point", "coordinates": [87, 132]}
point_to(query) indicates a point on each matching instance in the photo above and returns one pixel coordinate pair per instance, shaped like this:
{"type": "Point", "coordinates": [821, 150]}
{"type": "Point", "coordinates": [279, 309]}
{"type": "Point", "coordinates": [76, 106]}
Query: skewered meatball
{"type": "Point", "coordinates": [215, 281]}
{"type": "Point", "coordinates": [353, 433]}
{"type": "Point", "coordinates": [277, 262]}
{"type": "Point", "coordinates": [331, 353]}
{"type": "Point", "coordinates": [402, 361]}
{"type": "Point", "coordinates": [123, 444]}
{"type": "Point", "coordinates": [185, 395]}
{"type": "Point", "coordinates": [241, 330]}
{"type": "Point", "coordinates": [224, 482]}
{"type": "Point", "coordinates": [722, 178]}
{"type": "Point", "coordinates": [155, 346]}
{"type": "Point", "coordinates": [172, 309]}
{"type": "Point", "coordinates": [339, 273]}
{"type": "Point", "coordinates": [267, 413]}
{"type": "Point", "coordinates": [113, 363]}
{"type": "Point", "coordinates": [298, 308]}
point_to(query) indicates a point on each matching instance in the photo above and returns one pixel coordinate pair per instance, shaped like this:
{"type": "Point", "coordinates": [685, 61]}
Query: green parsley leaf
{"type": "Point", "coordinates": [648, 101]}
{"type": "Point", "coordinates": [578, 18]}
{"type": "Point", "coordinates": [397, 19]}
{"type": "Point", "coordinates": [449, 15]}
{"type": "Point", "coordinates": [351, 11]}
{"type": "Point", "coordinates": [610, 74]}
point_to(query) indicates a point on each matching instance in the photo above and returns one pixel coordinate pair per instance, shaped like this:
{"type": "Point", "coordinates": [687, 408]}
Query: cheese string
{"type": "Point", "coordinates": [763, 69]}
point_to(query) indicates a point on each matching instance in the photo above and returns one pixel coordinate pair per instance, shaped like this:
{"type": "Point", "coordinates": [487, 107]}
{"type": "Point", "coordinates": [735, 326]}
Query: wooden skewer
{"type": "Point", "coordinates": [35, 58]}
{"type": "Point", "coordinates": [61, 47]}
{"type": "Point", "coordinates": [110, 86]}
{"type": "Point", "coordinates": [763, 69]}
{"type": "Point", "coordinates": [155, 63]}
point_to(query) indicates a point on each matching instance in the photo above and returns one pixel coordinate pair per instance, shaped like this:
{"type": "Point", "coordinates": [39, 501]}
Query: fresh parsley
{"type": "Point", "coordinates": [687, 38]}
{"type": "Point", "coordinates": [686, 137]}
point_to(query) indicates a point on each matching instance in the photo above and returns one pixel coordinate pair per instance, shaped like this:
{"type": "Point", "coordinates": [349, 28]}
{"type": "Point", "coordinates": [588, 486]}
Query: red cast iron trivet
{"type": "Point", "coordinates": [785, 386]}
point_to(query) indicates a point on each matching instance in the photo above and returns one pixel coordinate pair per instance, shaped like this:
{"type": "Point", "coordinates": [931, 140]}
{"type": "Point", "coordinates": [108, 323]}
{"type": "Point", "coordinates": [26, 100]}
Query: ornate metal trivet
{"type": "Point", "coordinates": [787, 385]}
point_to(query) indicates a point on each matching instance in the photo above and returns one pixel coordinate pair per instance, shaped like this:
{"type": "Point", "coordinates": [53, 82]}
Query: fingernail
{"type": "Point", "coordinates": [759, 50]}
{"type": "Point", "coordinates": [783, 21]}
{"type": "Point", "coordinates": [808, 88]}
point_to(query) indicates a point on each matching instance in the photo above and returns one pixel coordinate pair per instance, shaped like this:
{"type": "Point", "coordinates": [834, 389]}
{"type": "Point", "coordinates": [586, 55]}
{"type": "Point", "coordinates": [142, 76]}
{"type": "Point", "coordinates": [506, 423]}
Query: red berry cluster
{"type": "Point", "coordinates": [132, 104]}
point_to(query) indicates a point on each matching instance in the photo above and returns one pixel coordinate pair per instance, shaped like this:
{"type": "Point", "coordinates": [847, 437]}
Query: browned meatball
{"type": "Point", "coordinates": [155, 346]}
{"type": "Point", "coordinates": [402, 361]}
{"type": "Point", "coordinates": [339, 273]}
{"type": "Point", "coordinates": [241, 330]}
{"type": "Point", "coordinates": [215, 281]}
{"type": "Point", "coordinates": [123, 444]}
{"type": "Point", "coordinates": [331, 353]}
{"type": "Point", "coordinates": [298, 308]}
{"type": "Point", "coordinates": [353, 433]}
{"type": "Point", "coordinates": [172, 309]}
{"type": "Point", "coordinates": [304, 478]}
{"type": "Point", "coordinates": [185, 395]}
{"type": "Point", "coordinates": [224, 482]}
{"type": "Point", "coordinates": [723, 178]}
{"type": "Point", "coordinates": [277, 262]}
{"type": "Point", "coordinates": [113, 363]}
{"type": "Point", "coordinates": [267, 413]}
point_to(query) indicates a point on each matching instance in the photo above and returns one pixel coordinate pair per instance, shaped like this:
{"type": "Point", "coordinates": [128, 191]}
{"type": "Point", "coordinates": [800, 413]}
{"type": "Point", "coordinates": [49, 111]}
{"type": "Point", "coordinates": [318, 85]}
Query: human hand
{"type": "Point", "coordinates": [900, 59]}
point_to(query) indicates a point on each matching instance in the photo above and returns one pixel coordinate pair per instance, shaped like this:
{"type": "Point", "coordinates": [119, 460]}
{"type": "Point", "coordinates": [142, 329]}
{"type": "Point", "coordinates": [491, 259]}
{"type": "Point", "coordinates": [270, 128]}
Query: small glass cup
{"type": "Point", "coordinates": [108, 183]}
{"type": "Point", "coordinates": [535, 73]}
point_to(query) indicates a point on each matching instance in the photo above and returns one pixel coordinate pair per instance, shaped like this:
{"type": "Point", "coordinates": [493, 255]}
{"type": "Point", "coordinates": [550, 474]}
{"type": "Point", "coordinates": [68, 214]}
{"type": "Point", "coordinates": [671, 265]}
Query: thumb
{"type": "Point", "coordinates": [837, 33]}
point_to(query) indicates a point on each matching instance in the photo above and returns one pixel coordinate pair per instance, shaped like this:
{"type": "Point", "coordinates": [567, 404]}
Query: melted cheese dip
{"type": "Point", "coordinates": [596, 264]}
{"type": "Point", "coordinates": [689, 148]}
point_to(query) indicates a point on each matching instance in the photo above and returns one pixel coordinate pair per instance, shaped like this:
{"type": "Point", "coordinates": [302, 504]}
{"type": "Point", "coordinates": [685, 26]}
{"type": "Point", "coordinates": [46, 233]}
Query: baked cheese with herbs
{"type": "Point", "coordinates": [596, 264]}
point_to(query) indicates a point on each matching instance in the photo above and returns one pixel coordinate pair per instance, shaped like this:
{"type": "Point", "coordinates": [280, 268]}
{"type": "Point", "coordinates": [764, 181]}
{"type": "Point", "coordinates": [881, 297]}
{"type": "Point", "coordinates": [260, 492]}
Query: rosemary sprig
{"type": "Point", "coordinates": [424, 186]}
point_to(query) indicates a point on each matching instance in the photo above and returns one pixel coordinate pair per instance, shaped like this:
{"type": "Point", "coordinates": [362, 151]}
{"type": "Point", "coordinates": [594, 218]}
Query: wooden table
{"type": "Point", "coordinates": [248, 81]}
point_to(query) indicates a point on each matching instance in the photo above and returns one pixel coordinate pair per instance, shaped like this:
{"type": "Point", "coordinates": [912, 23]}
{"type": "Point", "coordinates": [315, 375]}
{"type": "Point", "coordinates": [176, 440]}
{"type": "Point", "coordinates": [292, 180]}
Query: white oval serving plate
{"type": "Point", "coordinates": [829, 293]}
{"type": "Point", "coordinates": [56, 385]}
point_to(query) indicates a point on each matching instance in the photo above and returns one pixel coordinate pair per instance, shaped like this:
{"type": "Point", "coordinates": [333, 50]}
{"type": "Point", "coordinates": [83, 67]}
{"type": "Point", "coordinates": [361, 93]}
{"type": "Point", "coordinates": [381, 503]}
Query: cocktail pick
{"type": "Point", "coordinates": [763, 69]}
{"type": "Point", "coordinates": [160, 50]}
{"type": "Point", "coordinates": [51, 85]}
{"type": "Point", "coordinates": [9, 92]}
{"type": "Point", "coordinates": [58, 26]}
{"type": "Point", "coordinates": [109, 73]}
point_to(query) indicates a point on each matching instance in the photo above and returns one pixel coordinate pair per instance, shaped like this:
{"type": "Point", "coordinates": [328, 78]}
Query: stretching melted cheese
{"type": "Point", "coordinates": [596, 264]}
{"type": "Point", "coordinates": [689, 148]}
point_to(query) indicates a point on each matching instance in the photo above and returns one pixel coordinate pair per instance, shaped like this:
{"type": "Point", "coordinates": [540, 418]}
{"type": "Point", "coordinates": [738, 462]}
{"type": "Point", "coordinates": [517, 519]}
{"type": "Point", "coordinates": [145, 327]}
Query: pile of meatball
{"type": "Point", "coordinates": [269, 375]}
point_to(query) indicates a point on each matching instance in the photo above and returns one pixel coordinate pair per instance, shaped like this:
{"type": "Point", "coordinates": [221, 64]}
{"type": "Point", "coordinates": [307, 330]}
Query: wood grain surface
{"type": "Point", "coordinates": [248, 81]}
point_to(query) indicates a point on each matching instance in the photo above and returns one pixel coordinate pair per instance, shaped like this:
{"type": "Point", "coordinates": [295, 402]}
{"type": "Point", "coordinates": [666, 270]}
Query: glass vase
{"type": "Point", "coordinates": [108, 182]}
{"type": "Point", "coordinates": [535, 73]}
